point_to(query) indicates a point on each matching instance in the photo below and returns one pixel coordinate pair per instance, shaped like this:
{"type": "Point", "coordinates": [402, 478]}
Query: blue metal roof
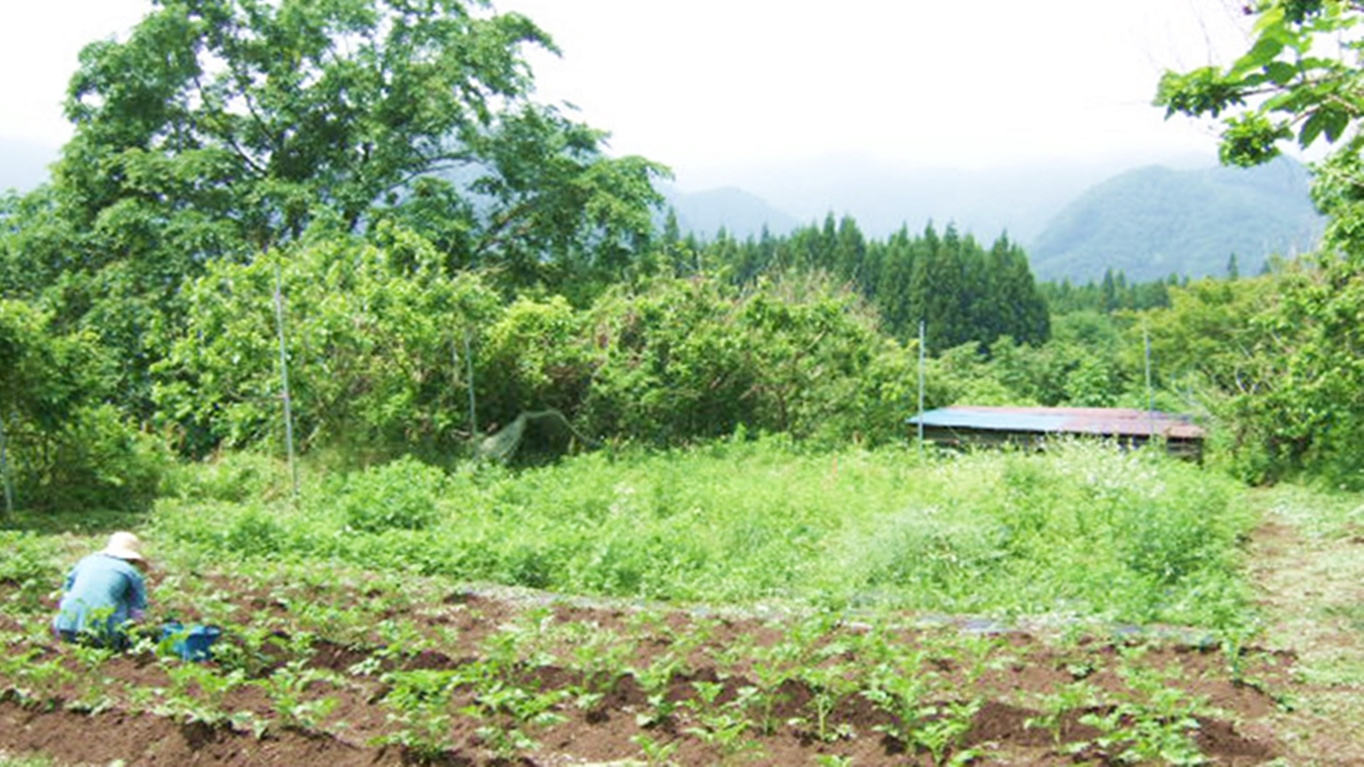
{"type": "Point", "coordinates": [965, 419]}
{"type": "Point", "coordinates": [1103, 421]}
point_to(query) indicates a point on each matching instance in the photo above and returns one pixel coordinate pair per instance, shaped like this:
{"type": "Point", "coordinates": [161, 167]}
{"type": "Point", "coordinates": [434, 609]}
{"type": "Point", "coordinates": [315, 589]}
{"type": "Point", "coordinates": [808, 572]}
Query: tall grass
{"type": "Point", "coordinates": [1083, 530]}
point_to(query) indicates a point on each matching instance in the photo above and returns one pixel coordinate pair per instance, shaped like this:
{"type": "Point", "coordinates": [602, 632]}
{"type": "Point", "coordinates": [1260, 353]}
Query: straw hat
{"type": "Point", "coordinates": [125, 545]}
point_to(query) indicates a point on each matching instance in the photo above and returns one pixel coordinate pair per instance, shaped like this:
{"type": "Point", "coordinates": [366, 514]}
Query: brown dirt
{"type": "Point", "coordinates": [317, 670]}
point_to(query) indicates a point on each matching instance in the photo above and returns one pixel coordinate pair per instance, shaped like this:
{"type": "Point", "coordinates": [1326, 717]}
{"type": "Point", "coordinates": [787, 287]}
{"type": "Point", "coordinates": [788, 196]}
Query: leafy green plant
{"type": "Point", "coordinates": [403, 494]}
{"type": "Point", "coordinates": [1021, 538]}
{"type": "Point", "coordinates": [288, 690]}
{"type": "Point", "coordinates": [419, 703]}
{"type": "Point", "coordinates": [1071, 700]}
{"type": "Point", "coordinates": [942, 730]}
{"type": "Point", "coordinates": [900, 689]}
{"type": "Point", "coordinates": [599, 656]}
{"type": "Point", "coordinates": [654, 680]}
{"type": "Point", "coordinates": [722, 725]}
{"type": "Point", "coordinates": [197, 695]}
{"type": "Point", "coordinates": [512, 713]}
{"type": "Point", "coordinates": [830, 684]}
{"type": "Point", "coordinates": [656, 753]}
{"type": "Point", "coordinates": [1163, 719]}
{"type": "Point", "coordinates": [32, 679]}
{"type": "Point", "coordinates": [28, 564]}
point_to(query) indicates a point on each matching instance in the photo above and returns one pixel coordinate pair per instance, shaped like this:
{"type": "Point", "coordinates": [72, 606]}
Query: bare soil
{"type": "Point", "coordinates": [992, 692]}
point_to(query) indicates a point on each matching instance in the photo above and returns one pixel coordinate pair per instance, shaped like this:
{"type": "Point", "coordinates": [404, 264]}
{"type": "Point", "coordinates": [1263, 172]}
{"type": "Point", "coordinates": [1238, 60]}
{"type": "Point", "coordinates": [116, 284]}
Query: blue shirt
{"type": "Point", "coordinates": [101, 586]}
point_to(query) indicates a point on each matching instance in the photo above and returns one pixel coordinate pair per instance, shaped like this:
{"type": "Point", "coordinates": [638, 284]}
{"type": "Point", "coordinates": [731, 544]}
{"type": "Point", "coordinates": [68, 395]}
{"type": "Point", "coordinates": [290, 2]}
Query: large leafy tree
{"type": "Point", "coordinates": [695, 358]}
{"type": "Point", "coordinates": [225, 129]}
{"type": "Point", "coordinates": [253, 117]}
{"type": "Point", "coordinates": [1301, 81]}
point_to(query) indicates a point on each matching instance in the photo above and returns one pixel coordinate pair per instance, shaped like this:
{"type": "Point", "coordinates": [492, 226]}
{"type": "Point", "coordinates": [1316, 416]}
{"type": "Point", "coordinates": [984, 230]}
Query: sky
{"type": "Point", "coordinates": [709, 87]}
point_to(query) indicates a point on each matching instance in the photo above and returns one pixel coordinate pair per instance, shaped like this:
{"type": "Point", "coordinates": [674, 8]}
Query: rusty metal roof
{"type": "Point", "coordinates": [1113, 422]}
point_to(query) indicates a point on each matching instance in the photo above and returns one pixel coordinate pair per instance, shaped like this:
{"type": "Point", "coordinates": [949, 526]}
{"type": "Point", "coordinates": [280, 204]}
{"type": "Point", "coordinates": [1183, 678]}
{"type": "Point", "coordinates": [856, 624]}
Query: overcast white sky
{"type": "Point", "coordinates": [705, 85]}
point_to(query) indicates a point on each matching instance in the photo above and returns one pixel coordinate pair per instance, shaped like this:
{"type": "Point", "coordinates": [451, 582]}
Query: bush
{"type": "Point", "coordinates": [402, 495]}
{"type": "Point", "coordinates": [66, 447]}
{"type": "Point", "coordinates": [235, 477]}
{"type": "Point", "coordinates": [96, 461]}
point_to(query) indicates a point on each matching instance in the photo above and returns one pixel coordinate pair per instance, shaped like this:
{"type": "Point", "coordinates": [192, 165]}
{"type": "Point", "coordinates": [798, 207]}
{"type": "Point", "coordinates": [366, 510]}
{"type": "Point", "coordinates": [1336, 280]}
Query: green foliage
{"type": "Point", "coordinates": [403, 495]}
{"type": "Point", "coordinates": [533, 358]}
{"type": "Point", "coordinates": [1091, 361]}
{"type": "Point", "coordinates": [254, 127]}
{"type": "Point", "coordinates": [231, 476]}
{"type": "Point", "coordinates": [420, 702]}
{"type": "Point", "coordinates": [257, 116]}
{"type": "Point", "coordinates": [682, 360]}
{"type": "Point", "coordinates": [100, 461]}
{"type": "Point", "coordinates": [1083, 530]}
{"type": "Point", "coordinates": [28, 567]}
{"type": "Point", "coordinates": [1113, 293]}
{"type": "Point", "coordinates": [1312, 414]}
{"type": "Point", "coordinates": [1301, 411]}
{"type": "Point", "coordinates": [65, 448]}
{"type": "Point", "coordinates": [1279, 84]}
{"type": "Point", "coordinates": [961, 291]}
{"type": "Point", "coordinates": [374, 339]}
{"type": "Point", "coordinates": [1275, 361]}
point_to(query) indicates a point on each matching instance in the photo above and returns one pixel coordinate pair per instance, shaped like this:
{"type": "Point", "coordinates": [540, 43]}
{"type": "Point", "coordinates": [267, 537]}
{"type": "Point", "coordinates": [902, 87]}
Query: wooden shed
{"type": "Point", "coordinates": [966, 426]}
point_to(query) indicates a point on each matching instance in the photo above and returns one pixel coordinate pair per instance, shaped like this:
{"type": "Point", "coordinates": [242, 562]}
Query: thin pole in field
{"type": "Point", "coordinates": [469, 366]}
{"type": "Point", "coordinates": [1150, 396]}
{"type": "Point", "coordinates": [4, 470]}
{"type": "Point", "coordinates": [921, 388]}
{"type": "Point", "coordinates": [284, 379]}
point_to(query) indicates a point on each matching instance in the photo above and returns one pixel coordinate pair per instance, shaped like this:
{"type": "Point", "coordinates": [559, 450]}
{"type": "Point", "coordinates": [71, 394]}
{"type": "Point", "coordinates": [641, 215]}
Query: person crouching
{"type": "Point", "coordinates": [103, 594]}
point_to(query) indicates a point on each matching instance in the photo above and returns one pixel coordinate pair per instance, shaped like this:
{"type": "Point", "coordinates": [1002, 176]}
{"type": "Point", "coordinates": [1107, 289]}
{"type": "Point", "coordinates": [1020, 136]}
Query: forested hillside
{"type": "Point", "coordinates": [1155, 222]}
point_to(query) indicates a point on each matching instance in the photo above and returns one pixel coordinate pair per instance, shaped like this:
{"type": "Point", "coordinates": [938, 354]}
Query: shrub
{"type": "Point", "coordinates": [402, 495]}
{"type": "Point", "coordinates": [235, 477]}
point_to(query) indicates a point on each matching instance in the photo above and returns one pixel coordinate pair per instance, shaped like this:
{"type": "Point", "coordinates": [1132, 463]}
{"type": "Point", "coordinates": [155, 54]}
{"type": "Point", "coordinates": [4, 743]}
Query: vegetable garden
{"type": "Point", "coordinates": [746, 603]}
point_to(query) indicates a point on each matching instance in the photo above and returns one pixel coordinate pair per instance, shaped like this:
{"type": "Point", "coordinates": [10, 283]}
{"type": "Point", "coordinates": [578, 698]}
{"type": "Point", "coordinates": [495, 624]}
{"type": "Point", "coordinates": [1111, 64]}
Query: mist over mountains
{"type": "Point", "coordinates": [1075, 220]}
{"type": "Point", "coordinates": [883, 197]}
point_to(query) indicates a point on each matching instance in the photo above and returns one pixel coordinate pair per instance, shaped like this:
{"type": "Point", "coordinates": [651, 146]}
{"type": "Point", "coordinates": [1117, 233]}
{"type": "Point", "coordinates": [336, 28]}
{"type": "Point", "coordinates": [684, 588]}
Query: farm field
{"type": "Point", "coordinates": [324, 661]}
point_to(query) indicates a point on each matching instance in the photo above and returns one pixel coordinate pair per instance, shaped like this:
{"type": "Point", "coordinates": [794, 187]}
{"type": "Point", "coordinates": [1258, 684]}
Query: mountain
{"type": "Point", "coordinates": [883, 197]}
{"type": "Point", "coordinates": [1155, 221]}
{"type": "Point", "coordinates": [739, 213]}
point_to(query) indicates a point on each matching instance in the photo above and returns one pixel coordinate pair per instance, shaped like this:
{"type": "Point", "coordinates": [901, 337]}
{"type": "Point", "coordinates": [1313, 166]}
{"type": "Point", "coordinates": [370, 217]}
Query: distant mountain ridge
{"type": "Point", "coordinates": [1153, 222]}
{"type": "Point", "coordinates": [739, 213]}
{"type": "Point", "coordinates": [885, 196]}
{"type": "Point", "coordinates": [1148, 223]}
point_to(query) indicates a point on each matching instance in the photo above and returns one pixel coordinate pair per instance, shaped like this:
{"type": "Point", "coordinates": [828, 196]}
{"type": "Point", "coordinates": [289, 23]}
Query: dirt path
{"type": "Point", "coordinates": [1310, 584]}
